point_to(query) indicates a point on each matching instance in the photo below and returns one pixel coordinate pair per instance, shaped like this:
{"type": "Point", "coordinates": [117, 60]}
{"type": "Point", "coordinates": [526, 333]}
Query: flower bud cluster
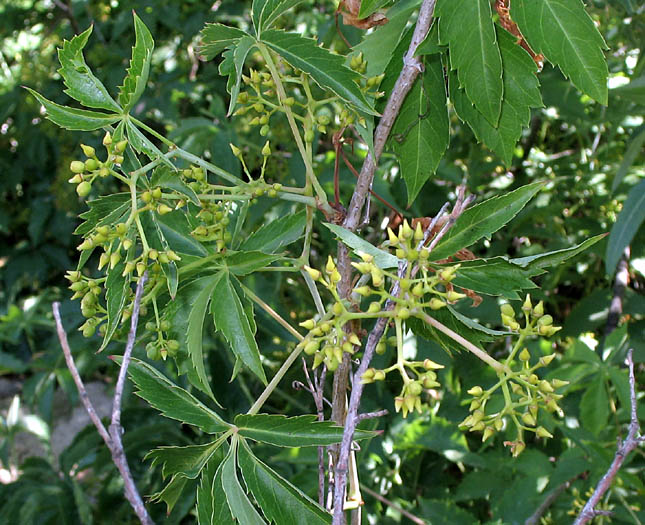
{"type": "Point", "coordinates": [160, 347]}
{"type": "Point", "coordinates": [86, 171]}
{"type": "Point", "coordinates": [214, 224]}
{"type": "Point", "coordinates": [409, 400]}
{"type": "Point", "coordinates": [261, 101]}
{"type": "Point", "coordinates": [524, 392]}
{"type": "Point", "coordinates": [536, 323]}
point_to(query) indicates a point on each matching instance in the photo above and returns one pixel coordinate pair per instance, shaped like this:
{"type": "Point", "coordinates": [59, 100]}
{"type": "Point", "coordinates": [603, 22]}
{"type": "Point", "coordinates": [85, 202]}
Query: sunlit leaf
{"type": "Point", "coordinates": [81, 83]}
{"type": "Point", "coordinates": [565, 34]}
{"type": "Point", "coordinates": [135, 81]}
{"type": "Point", "coordinates": [326, 68]}
{"type": "Point", "coordinates": [75, 119]}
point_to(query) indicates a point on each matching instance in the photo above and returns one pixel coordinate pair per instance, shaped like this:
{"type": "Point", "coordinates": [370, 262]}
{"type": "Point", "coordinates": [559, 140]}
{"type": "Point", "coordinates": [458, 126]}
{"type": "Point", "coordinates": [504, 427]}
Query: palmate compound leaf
{"type": "Point", "coordinates": [467, 27]}
{"type": "Point", "coordinates": [534, 264]}
{"type": "Point", "coordinates": [274, 235]}
{"type": "Point", "coordinates": [185, 461]}
{"type": "Point", "coordinates": [565, 34]}
{"type": "Point", "coordinates": [298, 431]}
{"type": "Point", "coordinates": [232, 66]}
{"type": "Point", "coordinates": [241, 507]}
{"type": "Point", "coordinates": [422, 130]}
{"type": "Point", "coordinates": [265, 12]}
{"type": "Point", "coordinates": [521, 93]}
{"type": "Point", "coordinates": [212, 507]}
{"type": "Point", "coordinates": [327, 69]}
{"type": "Point", "coordinates": [280, 501]}
{"type": "Point", "coordinates": [171, 400]}
{"type": "Point", "coordinates": [231, 320]}
{"type": "Point", "coordinates": [215, 38]}
{"type": "Point", "coordinates": [75, 119]}
{"type": "Point", "coordinates": [483, 220]}
{"type": "Point", "coordinates": [81, 83]}
{"type": "Point", "coordinates": [135, 81]}
{"type": "Point", "coordinates": [196, 295]}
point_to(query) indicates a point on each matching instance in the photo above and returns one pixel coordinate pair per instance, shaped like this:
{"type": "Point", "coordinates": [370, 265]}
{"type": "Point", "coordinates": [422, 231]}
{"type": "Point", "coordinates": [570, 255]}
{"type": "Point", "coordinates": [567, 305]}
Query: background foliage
{"type": "Point", "coordinates": [591, 156]}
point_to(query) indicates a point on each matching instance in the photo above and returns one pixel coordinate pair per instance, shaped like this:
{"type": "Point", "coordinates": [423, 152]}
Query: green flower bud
{"type": "Point", "coordinates": [264, 130]}
{"type": "Point", "coordinates": [162, 209]}
{"type": "Point", "coordinates": [403, 313]}
{"type": "Point", "coordinates": [77, 166]}
{"type": "Point", "coordinates": [507, 310]}
{"type": "Point", "coordinates": [525, 355]}
{"type": "Point", "coordinates": [309, 135]}
{"type": "Point", "coordinates": [543, 433]}
{"type": "Point", "coordinates": [436, 304]}
{"type": "Point", "coordinates": [289, 101]}
{"type": "Point", "coordinates": [538, 311]}
{"type": "Point", "coordinates": [83, 189]}
{"type": "Point", "coordinates": [313, 273]}
{"type": "Point", "coordinates": [528, 419]}
{"type": "Point", "coordinates": [89, 151]}
{"type": "Point", "coordinates": [107, 140]}
{"type": "Point", "coordinates": [476, 391]}
{"type": "Point", "coordinates": [114, 259]}
{"type": "Point", "coordinates": [91, 164]}
{"type": "Point", "coordinates": [394, 240]}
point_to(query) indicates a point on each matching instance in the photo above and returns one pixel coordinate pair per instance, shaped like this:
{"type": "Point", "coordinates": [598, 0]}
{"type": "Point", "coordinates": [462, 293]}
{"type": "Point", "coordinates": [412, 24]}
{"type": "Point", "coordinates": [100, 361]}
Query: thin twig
{"type": "Point", "coordinates": [113, 438]}
{"type": "Point", "coordinates": [393, 505]}
{"type": "Point", "coordinates": [534, 519]}
{"type": "Point", "coordinates": [412, 66]}
{"type": "Point", "coordinates": [371, 415]}
{"type": "Point", "coordinates": [633, 440]}
{"type": "Point", "coordinates": [62, 337]}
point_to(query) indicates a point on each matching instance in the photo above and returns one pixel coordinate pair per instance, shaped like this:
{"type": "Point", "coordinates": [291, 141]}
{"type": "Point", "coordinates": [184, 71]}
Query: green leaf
{"type": "Point", "coordinates": [239, 53]}
{"type": "Point", "coordinates": [422, 131]}
{"type": "Point", "coordinates": [430, 45]}
{"type": "Point", "coordinates": [142, 144]}
{"type": "Point", "coordinates": [117, 287]}
{"type": "Point", "coordinates": [107, 210]}
{"type": "Point", "coordinates": [627, 224]}
{"type": "Point", "coordinates": [176, 230]}
{"type": "Point", "coordinates": [171, 492]}
{"type": "Point", "coordinates": [382, 259]}
{"type": "Point", "coordinates": [135, 81]}
{"type": "Point", "coordinates": [280, 501]}
{"type": "Point", "coordinates": [81, 83]}
{"type": "Point", "coordinates": [496, 276]}
{"type": "Point", "coordinates": [244, 263]}
{"type": "Point", "coordinates": [483, 220]}
{"type": "Point", "coordinates": [565, 34]}
{"type": "Point", "coordinates": [212, 508]}
{"type": "Point", "coordinates": [521, 93]}
{"type": "Point", "coordinates": [543, 260]}
{"type": "Point", "coordinates": [185, 461]}
{"type": "Point", "coordinates": [265, 12]}
{"type": "Point", "coordinates": [171, 400]}
{"type": "Point", "coordinates": [75, 119]}
{"type": "Point", "coordinates": [326, 68]}
{"type": "Point", "coordinates": [274, 235]}
{"type": "Point", "coordinates": [299, 431]}
{"type": "Point", "coordinates": [200, 291]}
{"type": "Point", "coordinates": [594, 406]}
{"type": "Point", "coordinates": [471, 323]}
{"type": "Point", "coordinates": [241, 508]}
{"type": "Point", "coordinates": [370, 6]}
{"type": "Point", "coordinates": [215, 38]}
{"type": "Point", "coordinates": [467, 27]}
{"type": "Point", "coordinates": [169, 179]}
{"type": "Point", "coordinates": [445, 512]}
{"type": "Point", "coordinates": [231, 320]}
{"type": "Point", "coordinates": [631, 154]}
{"type": "Point", "coordinates": [379, 45]}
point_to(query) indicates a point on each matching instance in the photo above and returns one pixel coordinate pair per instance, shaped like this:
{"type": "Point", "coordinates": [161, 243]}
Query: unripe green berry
{"type": "Point", "coordinates": [264, 130]}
